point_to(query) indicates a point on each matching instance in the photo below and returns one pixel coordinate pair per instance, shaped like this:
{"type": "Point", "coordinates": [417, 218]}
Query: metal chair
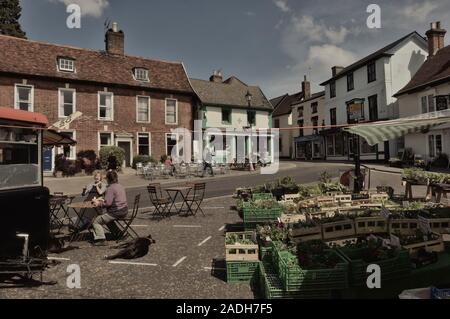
{"type": "Point", "coordinates": [196, 197]}
{"type": "Point", "coordinates": [160, 202]}
{"type": "Point", "coordinates": [124, 224]}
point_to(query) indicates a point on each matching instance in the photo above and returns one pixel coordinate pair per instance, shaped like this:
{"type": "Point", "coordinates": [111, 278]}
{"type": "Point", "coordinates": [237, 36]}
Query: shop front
{"type": "Point", "coordinates": [309, 147]}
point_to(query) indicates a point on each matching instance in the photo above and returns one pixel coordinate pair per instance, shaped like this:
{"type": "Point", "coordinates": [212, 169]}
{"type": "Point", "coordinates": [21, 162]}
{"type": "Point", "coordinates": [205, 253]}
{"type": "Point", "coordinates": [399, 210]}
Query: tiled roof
{"type": "Point", "coordinates": [231, 93]}
{"type": "Point", "coordinates": [434, 71]}
{"type": "Point", "coordinates": [374, 56]}
{"type": "Point", "coordinates": [285, 105]}
{"type": "Point", "coordinates": [24, 57]}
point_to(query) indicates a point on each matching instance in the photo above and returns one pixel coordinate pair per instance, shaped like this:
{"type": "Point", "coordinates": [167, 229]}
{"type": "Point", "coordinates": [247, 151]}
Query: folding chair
{"type": "Point", "coordinates": [160, 202]}
{"type": "Point", "coordinates": [124, 224]}
{"type": "Point", "coordinates": [196, 198]}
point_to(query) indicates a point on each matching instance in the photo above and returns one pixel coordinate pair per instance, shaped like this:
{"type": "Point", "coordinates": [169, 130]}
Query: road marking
{"type": "Point", "coordinates": [222, 228]}
{"type": "Point", "coordinates": [131, 263]}
{"type": "Point", "coordinates": [57, 258]}
{"type": "Point", "coordinates": [187, 226]}
{"type": "Point", "coordinates": [204, 241]}
{"type": "Point", "coordinates": [179, 261]}
{"type": "Point", "coordinates": [215, 268]}
{"type": "Point", "coordinates": [212, 207]}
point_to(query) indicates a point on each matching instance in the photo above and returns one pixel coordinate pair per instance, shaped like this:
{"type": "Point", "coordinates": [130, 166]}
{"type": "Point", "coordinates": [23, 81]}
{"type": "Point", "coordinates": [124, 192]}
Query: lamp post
{"type": "Point", "coordinates": [355, 111]}
{"type": "Point", "coordinates": [249, 97]}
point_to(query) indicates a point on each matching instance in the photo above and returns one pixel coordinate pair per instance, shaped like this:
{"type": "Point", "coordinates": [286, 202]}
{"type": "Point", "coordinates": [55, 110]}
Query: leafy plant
{"type": "Point", "coordinates": [109, 153]}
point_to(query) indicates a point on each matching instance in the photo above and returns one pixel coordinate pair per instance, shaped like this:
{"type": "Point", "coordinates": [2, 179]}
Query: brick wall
{"type": "Point", "coordinates": [88, 126]}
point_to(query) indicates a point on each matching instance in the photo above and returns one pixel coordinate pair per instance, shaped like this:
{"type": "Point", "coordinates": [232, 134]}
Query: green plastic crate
{"type": "Point", "coordinates": [392, 268]}
{"type": "Point", "coordinates": [241, 272]}
{"type": "Point", "coordinates": [294, 278]}
{"type": "Point", "coordinates": [271, 287]}
{"type": "Point", "coordinates": [265, 252]}
{"type": "Point", "coordinates": [253, 215]}
{"type": "Point", "coordinates": [262, 196]}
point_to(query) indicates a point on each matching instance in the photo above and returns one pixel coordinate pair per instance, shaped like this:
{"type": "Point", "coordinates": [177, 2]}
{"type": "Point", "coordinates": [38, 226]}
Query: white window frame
{"type": "Point", "coordinates": [16, 96]}
{"type": "Point", "coordinates": [176, 112]}
{"type": "Point", "coordinates": [135, 75]}
{"type": "Point", "coordinates": [434, 142]}
{"type": "Point", "coordinates": [66, 69]}
{"type": "Point", "coordinates": [74, 95]}
{"type": "Point", "coordinates": [99, 139]}
{"type": "Point", "coordinates": [176, 145]}
{"type": "Point", "coordinates": [112, 105]}
{"type": "Point", "coordinates": [73, 149]}
{"type": "Point", "coordinates": [427, 94]}
{"type": "Point", "coordinates": [149, 108]}
{"type": "Point", "coordinates": [149, 142]}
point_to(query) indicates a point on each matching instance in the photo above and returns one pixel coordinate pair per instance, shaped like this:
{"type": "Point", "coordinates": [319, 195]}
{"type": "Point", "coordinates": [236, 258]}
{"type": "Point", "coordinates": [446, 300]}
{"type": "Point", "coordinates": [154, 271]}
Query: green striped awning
{"type": "Point", "coordinates": [378, 132]}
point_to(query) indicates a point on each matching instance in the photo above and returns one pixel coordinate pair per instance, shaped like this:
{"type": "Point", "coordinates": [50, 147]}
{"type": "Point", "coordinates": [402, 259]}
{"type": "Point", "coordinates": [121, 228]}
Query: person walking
{"type": "Point", "coordinates": [207, 160]}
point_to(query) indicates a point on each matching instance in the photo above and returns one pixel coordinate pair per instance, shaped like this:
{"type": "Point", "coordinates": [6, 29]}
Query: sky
{"type": "Point", "coordinates": [269, 43]}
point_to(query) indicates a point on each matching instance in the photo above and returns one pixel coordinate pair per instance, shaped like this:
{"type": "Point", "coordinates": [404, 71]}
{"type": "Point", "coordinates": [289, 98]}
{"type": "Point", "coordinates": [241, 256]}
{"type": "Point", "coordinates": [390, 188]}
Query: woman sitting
{"type": "Point", "coordinates": [115, 205]}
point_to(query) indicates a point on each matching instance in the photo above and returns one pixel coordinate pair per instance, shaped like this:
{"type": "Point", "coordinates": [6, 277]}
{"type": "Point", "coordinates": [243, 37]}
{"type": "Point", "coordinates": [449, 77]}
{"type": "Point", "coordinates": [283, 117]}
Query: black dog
{"type": "Point", "coordinates": [136, 248]}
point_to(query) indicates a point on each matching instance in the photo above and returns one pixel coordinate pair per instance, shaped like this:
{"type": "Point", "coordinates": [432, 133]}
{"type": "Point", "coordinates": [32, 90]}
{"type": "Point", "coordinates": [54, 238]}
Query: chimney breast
{"type": "Point", "coordinates": [306, 88]}
{"type": "Point", "coordinates": [435, 37]}
{"type": "Point", "coordinates": [216, 77]}
{"type": "Point", "coordinates": [114, 40]}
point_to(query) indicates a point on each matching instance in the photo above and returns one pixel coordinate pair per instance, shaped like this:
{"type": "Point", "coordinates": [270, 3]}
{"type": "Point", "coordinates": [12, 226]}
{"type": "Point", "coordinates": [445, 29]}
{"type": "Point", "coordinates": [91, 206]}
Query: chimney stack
{"type": "Point", "coordinates": [216, 77]}
{"type": "Point", "coordinates": [435, 37]}
{"type": "Point", "coordinates": [335, 70]}
{"type": "Point", "coordinates": [306, 88]}
{"type": "Point", "coordinates": [114, 40]}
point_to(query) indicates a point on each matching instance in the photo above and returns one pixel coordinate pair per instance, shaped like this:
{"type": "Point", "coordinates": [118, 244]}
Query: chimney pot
{"type": "Point", "coordinates": [115, 26]}
{"type": "Point", "coordinates": [216, 77]}
{"type": "Point", "coordinates": [306, 88]}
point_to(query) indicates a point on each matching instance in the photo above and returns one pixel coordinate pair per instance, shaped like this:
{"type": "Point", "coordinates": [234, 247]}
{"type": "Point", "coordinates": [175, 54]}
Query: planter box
{"type": "Point", "coordinates": [379, 197]}
{"type": "Point", "coordinates": [270, 287]}
{"type": "Point", "coordinates": [241, 252]}
{"type": "Point", "coordinates": [302, 234]}
{"type": "Point", "coordinates": [241, 272]}
{"type": "Point", "coordinates": [294, 278]}
{"type": "Point", "coordinates": [371, 225]}
{"type": "Point", "coordinates": [398, 266]}
{"type": "Point", "coordinates": [436, 245]}
{"type": "Point", "coordinates": [325, 200]}
{"type": "Point", "coordinates": [290, 197]}
{"type": "Point", "coordinates": [339, 229]}
{"type": "Point", "coordinates": [405, 226]}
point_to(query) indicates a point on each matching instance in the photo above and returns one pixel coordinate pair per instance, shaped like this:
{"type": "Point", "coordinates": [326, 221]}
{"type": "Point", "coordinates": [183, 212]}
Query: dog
{"type": "Point", "coordinates": [136, 248]}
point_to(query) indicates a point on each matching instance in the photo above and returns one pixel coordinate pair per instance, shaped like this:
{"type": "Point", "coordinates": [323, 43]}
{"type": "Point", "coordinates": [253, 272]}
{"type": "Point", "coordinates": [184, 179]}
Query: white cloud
{"type": "Point", "coordinates": [282, 5]}
{"type": "Point", "coordinates": [307, 28]}
{"type": "Point", "coordinates": [420, 11]}
{"type": "Point", "coordinates": [94, 8]}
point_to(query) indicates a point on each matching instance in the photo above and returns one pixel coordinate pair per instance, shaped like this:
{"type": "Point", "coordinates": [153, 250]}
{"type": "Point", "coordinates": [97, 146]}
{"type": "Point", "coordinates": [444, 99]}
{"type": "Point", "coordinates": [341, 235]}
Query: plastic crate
{"type": "Point", "coordinates": [271, 287]}
{"type": "Point", "coordinates": [241, 272]}
{"type": "Point", "coordinates": [253, 215]}
{"type": "Point", "coordinates": [265, 252]}
{"type": "Point", "coordinates": [396, 267]}
{"type": "Point", "coordinates": [436, 293]}
{"type": "Point", "coordinates": [262, 196]}
{"type": "Point", "coordinates": [294, 278]}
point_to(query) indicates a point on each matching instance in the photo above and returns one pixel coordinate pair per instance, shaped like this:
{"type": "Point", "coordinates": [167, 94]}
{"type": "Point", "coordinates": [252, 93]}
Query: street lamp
{"type": "Point", "coordinates": [249, 98]}
{"type": "Point", "coordinates": [355, 113]}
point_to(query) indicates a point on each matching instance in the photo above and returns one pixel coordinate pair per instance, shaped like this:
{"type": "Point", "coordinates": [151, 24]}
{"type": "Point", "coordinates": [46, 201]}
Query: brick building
{"type": "Point", "coordinates": [127, 101]}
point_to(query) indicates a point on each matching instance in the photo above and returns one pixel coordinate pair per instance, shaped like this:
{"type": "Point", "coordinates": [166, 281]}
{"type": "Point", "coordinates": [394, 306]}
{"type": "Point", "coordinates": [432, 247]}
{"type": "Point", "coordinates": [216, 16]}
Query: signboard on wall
{"type": "Point", "coordinates": [355, 112]}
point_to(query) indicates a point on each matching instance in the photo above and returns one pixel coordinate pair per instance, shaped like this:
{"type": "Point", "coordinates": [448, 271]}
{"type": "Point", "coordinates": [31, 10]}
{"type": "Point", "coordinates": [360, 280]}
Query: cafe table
{"type": "Point", "coordinates": [173, 193]}
{"type": "Point", "coordinates": [80, 209]}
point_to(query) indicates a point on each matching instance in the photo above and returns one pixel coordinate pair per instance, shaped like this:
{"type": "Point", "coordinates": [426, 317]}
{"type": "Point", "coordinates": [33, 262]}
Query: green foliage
{"type": "Point", "coordinates": [111, 152]}
{"type": "Point", "coordinates": [232, 239]}
{"type": "Point", "coordinates": [144, 159]}
{"type": "Point", "coordinates": [88, 160]}
{"type": "Point", "coordinates": [10, 12]}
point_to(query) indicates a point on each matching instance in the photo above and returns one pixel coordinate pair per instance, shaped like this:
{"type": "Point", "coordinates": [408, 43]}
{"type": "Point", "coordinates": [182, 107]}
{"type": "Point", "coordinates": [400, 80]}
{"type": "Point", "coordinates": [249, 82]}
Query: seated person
{"type": "Point", "coordinates": [95, 189]}
{"type": "Point", "coordinates": [115, 205]}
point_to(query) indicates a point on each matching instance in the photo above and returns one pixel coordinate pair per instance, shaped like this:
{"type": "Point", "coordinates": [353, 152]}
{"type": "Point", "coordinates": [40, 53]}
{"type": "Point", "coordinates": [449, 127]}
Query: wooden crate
{"type": "Point", "coordinates": [325, 200]}
{"type": "Point", "coordinates": [343, 200]}
{"type": "Point", "coordinates": [290, 197]}
{"type": "Point", "coordinates": [405, 226]}
{"type": "Point", "coordinates": [241, 272]}
{"type": "Point", "coordinates": [292, 218]}
{"type": "Point", "coordinates": [379, 197]}
{"type": "Point", "coordinates": [439, 225]}
{"type": "Point", "coordinates": [241, 252]}
{"type": "Point", "coordinates": [339, 229]}
{"type": "Point", "coordinates": [371, 225]}
{"type": "Point", "coordinates": [435, 245]}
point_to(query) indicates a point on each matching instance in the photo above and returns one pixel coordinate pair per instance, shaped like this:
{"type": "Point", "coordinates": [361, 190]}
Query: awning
{"type": "Point", "coordinates": [53, 138]}
{"type": "Point", "coordinates": [378, 132]}
{"type": "Point", "coordinates": [11, 114]}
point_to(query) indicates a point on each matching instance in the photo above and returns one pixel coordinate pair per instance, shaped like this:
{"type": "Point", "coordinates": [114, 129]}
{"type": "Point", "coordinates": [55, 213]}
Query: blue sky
{"type": "Point", "coordinates": [270, 43]}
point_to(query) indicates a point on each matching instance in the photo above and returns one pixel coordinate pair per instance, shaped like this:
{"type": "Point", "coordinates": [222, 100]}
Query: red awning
{"type": "Point", "coordinates": [53, 138]}
{"type": "Point", "coordinates": [7, 113]}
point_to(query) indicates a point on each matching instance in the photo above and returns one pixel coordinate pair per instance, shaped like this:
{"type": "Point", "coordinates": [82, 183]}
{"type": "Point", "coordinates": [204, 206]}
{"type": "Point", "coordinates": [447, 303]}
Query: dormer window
{"type": "Point", "coordinates": [66, 65]}
{"type": "Point", "coordinates": [141, 74]}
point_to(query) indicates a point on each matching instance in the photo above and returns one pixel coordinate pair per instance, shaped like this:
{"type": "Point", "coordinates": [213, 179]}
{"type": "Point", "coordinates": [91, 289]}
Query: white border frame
{"type": "Point", "coordinates": [60, 69]}
{"type": "Point", "coordinates": [149, 108]}
{"type": "Point", "coordinates": [112, 106]}
{"type": "Point", "coordinates": [98, 139]}
{"type": "Point", "coordinates": [176, 111]}
{"type": "Point", "coordinates": [74, 95]}
{"type": "Point", "coordinates": [149, 142]}
{"type": "Point", "coordinates": [16, 96]}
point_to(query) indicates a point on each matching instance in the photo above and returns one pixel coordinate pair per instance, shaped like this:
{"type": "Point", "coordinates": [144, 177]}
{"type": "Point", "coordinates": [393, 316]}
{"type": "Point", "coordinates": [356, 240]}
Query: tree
{"type": "Point", "coordinates": [10, 12]}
